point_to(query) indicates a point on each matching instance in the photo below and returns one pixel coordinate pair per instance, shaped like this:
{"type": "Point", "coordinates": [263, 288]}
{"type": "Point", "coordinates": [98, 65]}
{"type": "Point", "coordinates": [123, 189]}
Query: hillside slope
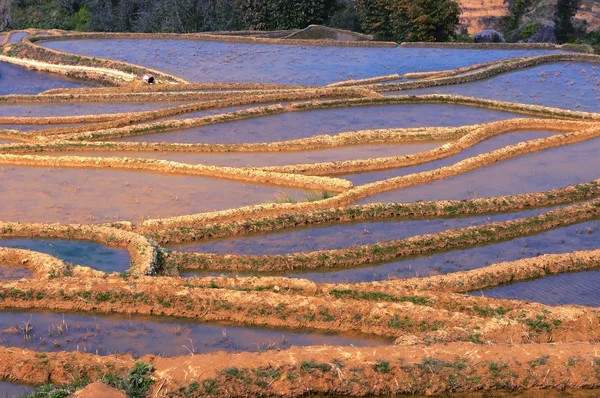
{"type": "Point", "coordinates": [479, 14]}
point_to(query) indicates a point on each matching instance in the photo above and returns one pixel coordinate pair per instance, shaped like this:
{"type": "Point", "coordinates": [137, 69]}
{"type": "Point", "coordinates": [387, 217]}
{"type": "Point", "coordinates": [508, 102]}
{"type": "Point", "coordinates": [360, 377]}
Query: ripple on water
{"type": "Point", "coordinates": [579, 288]}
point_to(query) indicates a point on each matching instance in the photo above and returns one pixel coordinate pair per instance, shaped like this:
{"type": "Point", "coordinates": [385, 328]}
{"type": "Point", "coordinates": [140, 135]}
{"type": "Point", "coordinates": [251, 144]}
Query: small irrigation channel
{"type": "Point", "coordinates": [561, 85]}
{"type": "Point", "coordinates": [94, 255]}
{"type": "Point", "coordinates": [535, 172]}
{"type": "Point", "coordinates": [103, 335]}
{"type": "Point", "coordinates": [68, 196]}
{"type": "Point", "coordinates": [204, 61]}
{"type": "Point", "coordinates": [257, 159]}
{"type": "Point", "coordinates": [582, 236]}
{"type": "Point", "coordinates": [304, 124]}
{"type": "Point", "coordinates": [77, 109]}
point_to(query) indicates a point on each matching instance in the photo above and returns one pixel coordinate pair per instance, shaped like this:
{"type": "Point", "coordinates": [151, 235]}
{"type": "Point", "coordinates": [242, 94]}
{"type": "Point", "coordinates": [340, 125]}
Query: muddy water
{"type": "Point", "coordinates": [90, 254]}
{"type": "Point", "coordinates": [293, 125]}
{"type": "Point", "coordinates": [12, 273]}
{"type": "Point", "coordinates": [580, 288]}
{"type": "Point", "coordinates": [9, 390]}
{"type": "Point", "coordinates": [98, 196]}
{"type": "Point", "coordinates": [340, 236]}
{"type": "Point", "coordinates": [18, 80]}
{"type": "Point", "coordinates": [267, 158]}
{"type": "Point", "coordinates": [41, 110]}
{"type": "Point", "coordinates": [540, 171]}
{"type": "Point", "coordinates": [563, 85]}
{"type": "Point", "coordinates": [583, 236]}
{"type": "Point", "coordinates": [153, 335]}
{"type": "Point", "coordinates": [309, 65]}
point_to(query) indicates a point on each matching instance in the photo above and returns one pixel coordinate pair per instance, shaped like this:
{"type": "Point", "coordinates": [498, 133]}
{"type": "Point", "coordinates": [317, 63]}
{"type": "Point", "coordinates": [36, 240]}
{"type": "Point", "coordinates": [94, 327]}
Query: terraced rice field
{"type": "Point", "coordinates": [290, 219]}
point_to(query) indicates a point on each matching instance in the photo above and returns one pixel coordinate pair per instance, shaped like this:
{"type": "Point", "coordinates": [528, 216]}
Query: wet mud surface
{"type": "Point", "coordinates": [580, 288]}
{"type": "Point", "coordinates": [583, 236]}
{"type": "Point", "coordinates": [89, 254]}
{"type": "Point", "coordinates": [340, 236]}
{"type": "Point", "coordinates": [98, 196]}
{"type": "Point", "coordinates": [18, 80]}
{"type": "Point", "coordinates": [293, 125]}
{"type": "Point", "coordinates": [95, 108]}
{"type": "Point", "coordinates": [267, 158]}
{"type": "Point", "coordinates": [270, 63]}
{"type": "Point", "coordinates": [12, 273]}
{"type": "Point", "coordinates": [562, 85]}
{"type": "Point", "coordinates": [535, 172]}
{"type": "Point", "coordinates": [50, 332]}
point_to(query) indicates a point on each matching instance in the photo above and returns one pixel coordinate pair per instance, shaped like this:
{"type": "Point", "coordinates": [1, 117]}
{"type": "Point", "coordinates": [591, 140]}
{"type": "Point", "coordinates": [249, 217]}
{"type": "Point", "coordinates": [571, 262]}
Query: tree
{"type": "Point", "coordinates": [284, 14]}
{"type": "Point", "coordinates": [5, 18]}
{"type": "Point", "coordinates": [563, 19]}
{"type": "Point", "coordinates": [410, 20]}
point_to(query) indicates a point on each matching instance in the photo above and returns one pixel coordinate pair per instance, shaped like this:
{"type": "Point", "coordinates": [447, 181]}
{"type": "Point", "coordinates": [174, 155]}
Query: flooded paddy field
{"type": "Point", "coordinates": [579, 288]}
{"type": "Point", "coordinates": [583, 236]}
{"type": "Point", "coordinates": [89, 254]}
{"type": "Point", "coordinates": [540, 171]}
{"type": "Point", "coordinates": [340, 236]}
{"type": "Point", "coordinates": [98, 196]}
{"type": "Point", "coordinates": [577, 83]}
{"type": "Point", "coordinates": [294, 125]}
{"type": "Point", "coordinates": [271, 63]}
{"type": "Point", "coordinates": [322, 272]}
{"type": "Point", "coordinates": [18, 80]}
{"type": "Point", "coordinates": [104, 335]}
